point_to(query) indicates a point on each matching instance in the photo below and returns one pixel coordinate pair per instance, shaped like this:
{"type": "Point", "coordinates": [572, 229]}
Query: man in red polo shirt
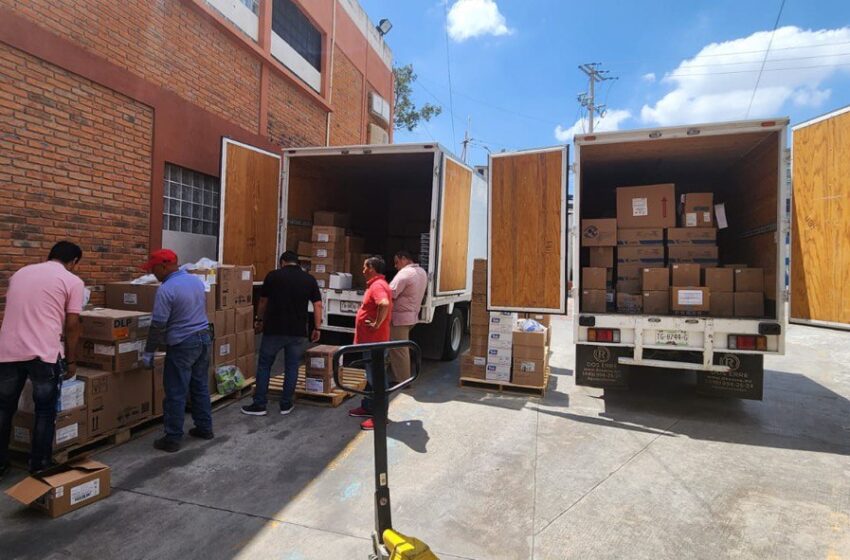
{"type": "Point", "coordinates": [372, 324]}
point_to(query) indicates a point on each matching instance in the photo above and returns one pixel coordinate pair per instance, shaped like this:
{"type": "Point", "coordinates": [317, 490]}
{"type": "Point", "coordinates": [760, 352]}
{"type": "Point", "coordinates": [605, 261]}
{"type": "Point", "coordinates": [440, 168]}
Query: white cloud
{"type": "Point", "coordinates": [649, 77]}
{"type": "Point", "coordinates": [611, 121]}
{"type": "Point", "coordinates": [705, 91]}
{"type": "Point", "coordinates": [474, 18]}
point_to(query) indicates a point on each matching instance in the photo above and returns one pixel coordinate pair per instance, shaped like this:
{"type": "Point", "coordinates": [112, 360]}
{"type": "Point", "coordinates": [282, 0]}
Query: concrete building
{"type": "Point", "coordinates": [112, 114]}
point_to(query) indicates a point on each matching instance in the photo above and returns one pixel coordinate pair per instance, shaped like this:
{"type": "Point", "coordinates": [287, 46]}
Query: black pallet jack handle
{"type": "Point", "coordinates": [380, 400]}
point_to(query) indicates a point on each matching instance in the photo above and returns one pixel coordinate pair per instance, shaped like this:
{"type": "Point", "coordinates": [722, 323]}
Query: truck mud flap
{"type": "Point", "coordinates": [598, 366]}
{"type": "Point", "coordinates": [744, 380]}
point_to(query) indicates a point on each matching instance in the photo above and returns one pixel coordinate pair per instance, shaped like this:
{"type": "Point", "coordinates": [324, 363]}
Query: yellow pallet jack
{"type": "Point", "coordinates": [387, 544]}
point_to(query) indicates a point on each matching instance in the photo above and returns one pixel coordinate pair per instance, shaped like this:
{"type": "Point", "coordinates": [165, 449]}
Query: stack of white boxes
{"type": "Point", "coordinates": [499, 344]}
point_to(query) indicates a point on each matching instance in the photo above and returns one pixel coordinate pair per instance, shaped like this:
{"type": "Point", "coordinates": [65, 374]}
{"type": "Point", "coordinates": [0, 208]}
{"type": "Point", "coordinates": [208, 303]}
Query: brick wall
{"type": "Point", "coordinates": [163, 41]}
{"type": "Point", "coordinates": [75, 163]}
{"type": "Point", "coordinates": [348, 103]}
{"type": "Point", "coordinates": [294, 119]}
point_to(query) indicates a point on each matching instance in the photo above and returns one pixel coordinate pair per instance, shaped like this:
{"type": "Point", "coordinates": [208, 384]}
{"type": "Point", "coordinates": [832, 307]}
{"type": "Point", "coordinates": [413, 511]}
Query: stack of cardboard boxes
{"type": "Point", "coordinates": [319, 369]}
{"type": "Point", "coordinates": [600, 237]}
{"type": "Point", "coordinates": [232, 320]}
{"type": "Point", "coordinates": [530, 357]}
{"type": "Point", "coordinates": [337, 258]}
{"type": "Point", "coordinates": [71, 417]}
{"type": "Point", "coordinates": [500, 339]}
{"type": "Point", "coordinates": [473, 363]}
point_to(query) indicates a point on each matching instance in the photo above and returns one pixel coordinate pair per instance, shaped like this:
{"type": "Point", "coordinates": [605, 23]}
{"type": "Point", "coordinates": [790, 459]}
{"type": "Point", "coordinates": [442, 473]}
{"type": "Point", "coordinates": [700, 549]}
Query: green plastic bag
{"type": "Point", "coordinates": [228, 379]}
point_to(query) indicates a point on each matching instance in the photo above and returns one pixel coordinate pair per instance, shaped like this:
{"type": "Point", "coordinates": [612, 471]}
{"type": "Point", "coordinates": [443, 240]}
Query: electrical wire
{"type": "Point", "coordinates": [763, 62]}
{"type": "Point", "coordinates": [449, 72]}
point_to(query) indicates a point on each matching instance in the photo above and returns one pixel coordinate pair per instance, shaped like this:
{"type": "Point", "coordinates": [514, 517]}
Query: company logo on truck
{"type": "Point", "coordinates": [731, 361]}
{"type": "Point", "coordinates": [602, 355]}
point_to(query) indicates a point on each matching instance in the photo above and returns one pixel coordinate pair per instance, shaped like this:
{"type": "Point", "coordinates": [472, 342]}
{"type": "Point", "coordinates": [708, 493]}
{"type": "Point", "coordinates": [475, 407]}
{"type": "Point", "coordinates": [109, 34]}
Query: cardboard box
{"type": "Point", "coordinates": [72, 394]}
{"type": "Point", "coordinates": [245, 343]}
{"type": "Point", "coordinates": [336, 219]}
{"type": "Point", "coordinates": [534, 339]}
{"type": "Point", "coordinates": [641, 254]}
{"type": "Point", "coordinates": [629, 303]}
{"type": "Point", "coordinates": [323, 279]}
{"type": "Point", "coordinates": [594, 278]}
{"type": "Point", "coordinates": [749, 280]}
{"type": "Point", "coordinates": [655, 279]}
{"type": "Point", "coordinates": [700, 254]}
{"type": "Point", "coordinates": [247, 365]}
{"type": "Point", "coordinates": [601, 257]}
{"type": "Point", "coordinates": [235, 286]}
{"type": "Point", "coordinates": [70, 429]}
{"type": "Point", "coordinates": [99, 391]}
{"type": "Point", "coordinates": [503, 340]}
{"type": "Point", "coordinates": [340, 281]}
{"type": "Point", "coordinates": [158, 386]}
{"type": "Point", "coordinates": [690, 299]}
{"type": "Point", "coordinates": [327, 234]}
{"type": "Point", "coordinates": [225, 322]}
{"type": "Point", "coordinates": [629, 278]}
{"type": "Point", "coordinates": [478, 346]}
{"type": "Point", "coordinates": [130, 297]}
{"type": "Point", "coordinates": [473, 366]}
{"type": "Point", "coordinates": [599, 233]}
{"type": "Point", "coordinates": [642, 236]}
{"type": "Point", "coordinates": [305, 248]}
{"type": "Point", "coordinates": [529, 373]}
{"type": "Point", "coordinates": [697, 210]}
{"type": "Point", "coordinates": [593, 301]}
{"type": "Point", "coordinates": [478, 315]}
{"type": "Point", "coordinates": [629, 286]}
{"type": "Point", "coordinates": [498, 352]}
{"type": "Point", "coordinates": [64, 488]}
{"type": "Point", "coordinates": [502, 321]}
{"type": "Point", "coordinates": [722, 304]}
{"type": "Point", "coordinates": [319, 383]}
{"type": "Point", "coordinates": [719, 280]}
{"type": "Point", "coordinates": [114, 324]}
{"type": "Point", "coordinates": [243, 318]}
{"type": "Point", "coordinates": [656, 302]}
{"type": "Point", "coordinates": [499, 360]}
{"type": "Point", "coordinates": [692, 236]}
{"type": "Point", "coordinates": [224, 349]}
{"type": "Point", "coordinates": [327, 266]}
{"type": "Point", "coordinates": [111, 356]}
{"type": "Point", "coordinates": [649, 206]}
{"type": "Point", "coordinates": [542, 318]}
{"type": "Point", "coordinates": [493, 372]}
{"type": "Point", "coordinates": [749, 304]}
{"type": "Point", "coordinates": [320, 359]}
{"type": "Point", "coordinates": [684, 275]}
{"type": "Point", "coordinates": [530, 352]}
{"type": "Point", "coordinates": [211, 303]}
{"type": "Point", "coordinates": [332, 251]}
{"type": "Point", "coordinates": [116, 399]}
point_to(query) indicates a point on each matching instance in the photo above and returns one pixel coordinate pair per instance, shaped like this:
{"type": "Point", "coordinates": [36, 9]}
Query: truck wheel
{"type": "Point", "coordinates": [454, 335]}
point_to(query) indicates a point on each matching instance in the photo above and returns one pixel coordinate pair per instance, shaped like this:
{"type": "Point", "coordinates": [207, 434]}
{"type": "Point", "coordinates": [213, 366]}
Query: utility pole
{"type": "Point", "coordinates": [466, 139]}
{"type": "Point", "coordinates": [588, 99]}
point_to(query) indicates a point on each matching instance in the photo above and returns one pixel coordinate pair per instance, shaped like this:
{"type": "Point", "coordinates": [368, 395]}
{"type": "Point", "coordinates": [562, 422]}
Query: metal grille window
{"type": "Point", "coordinates": [191, 201]}
{"type": "Point", "coordinates": [293, 27]}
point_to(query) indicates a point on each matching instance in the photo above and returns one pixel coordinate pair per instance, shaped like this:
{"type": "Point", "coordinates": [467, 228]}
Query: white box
{"type": "Point", "coordinates": [497, 373]}
{"type": "Point", "coordinates": [72, 395]}
{"type": "Point", "coordinates": [499, 352]}
{"type": "Point", "coordinates": [340, 281]}
{"type": "Point", "coordinates": [500, 340]}
{"type": "Point", "coordinates": [502, 323]}
{"type": "Point", "coordinates": [499, 360]}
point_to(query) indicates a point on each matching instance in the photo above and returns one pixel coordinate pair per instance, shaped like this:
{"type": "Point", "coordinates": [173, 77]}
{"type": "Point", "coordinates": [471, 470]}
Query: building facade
{"type": "Point", "coordinates": [112, 114]}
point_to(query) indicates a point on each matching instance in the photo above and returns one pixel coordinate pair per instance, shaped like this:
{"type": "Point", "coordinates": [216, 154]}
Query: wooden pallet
{"type": "Point", "coordinates": [350, 376]}
{"type": "Point", "coordinates": [220, 401]}
{"type": "Point", "coordinates": [505, 386]}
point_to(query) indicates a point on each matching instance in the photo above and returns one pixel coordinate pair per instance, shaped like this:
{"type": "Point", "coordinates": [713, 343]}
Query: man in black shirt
{"type": "Point", "coordinates": [282, 318]}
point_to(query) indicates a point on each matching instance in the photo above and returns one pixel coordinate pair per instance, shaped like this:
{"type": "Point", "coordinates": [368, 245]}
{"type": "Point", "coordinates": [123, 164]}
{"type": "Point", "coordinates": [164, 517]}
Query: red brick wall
{"type": "Point", "coordinates": [294, 119]}
{"type": "Point", "coordinates": [75, 163]}
{"type": "Point", "coordinates": [348, 103]}
{"type": "Point", "coordinates": [163, 41]}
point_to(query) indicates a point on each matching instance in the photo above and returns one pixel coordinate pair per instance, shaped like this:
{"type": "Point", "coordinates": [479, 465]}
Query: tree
{"type": "Point", "coordinates": [407, 115]}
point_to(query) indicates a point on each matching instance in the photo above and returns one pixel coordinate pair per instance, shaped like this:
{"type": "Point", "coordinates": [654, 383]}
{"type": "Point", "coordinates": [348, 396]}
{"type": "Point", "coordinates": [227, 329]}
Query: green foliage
{"type": "Point", "coordinates": [407, 115]}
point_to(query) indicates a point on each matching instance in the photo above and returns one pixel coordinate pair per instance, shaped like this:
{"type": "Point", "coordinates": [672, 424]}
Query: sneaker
{"type": "Point", "coordinates": [254, 410]}
{"type": "Point", "coordinates": [285, 411]}
{"type": "Point", "coordinates": [201, 434]}
{"type": "Point", "coordinates": [359, 412]}
{"type": "Point", "coordinates": [167, 445]}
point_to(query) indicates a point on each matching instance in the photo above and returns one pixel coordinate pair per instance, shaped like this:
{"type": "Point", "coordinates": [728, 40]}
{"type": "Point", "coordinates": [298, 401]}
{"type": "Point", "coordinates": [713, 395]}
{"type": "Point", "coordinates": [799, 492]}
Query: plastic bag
{"type": "Point", "coordinates": [530, 325]}
{"type": "Point", "coordinates": [203, 263]}
{"type": "Point", "coordinates": [146, 279]}
{"type": "Point", "coordinates": [228, 379]}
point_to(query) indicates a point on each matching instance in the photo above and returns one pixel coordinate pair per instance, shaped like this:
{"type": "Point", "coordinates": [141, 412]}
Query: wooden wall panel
{"type": "Point", "coordinates": [526, 259]}
{"type": "Point", "coordinates": [454, 227]}
{"type": "Point", "coordinates": [251, 197]}
{"type": "Point", "coordinates": [839, 192]}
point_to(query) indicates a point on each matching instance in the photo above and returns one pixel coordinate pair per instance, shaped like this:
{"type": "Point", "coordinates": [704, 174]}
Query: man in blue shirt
{"type": "Point", "coordinates": [180, 323]}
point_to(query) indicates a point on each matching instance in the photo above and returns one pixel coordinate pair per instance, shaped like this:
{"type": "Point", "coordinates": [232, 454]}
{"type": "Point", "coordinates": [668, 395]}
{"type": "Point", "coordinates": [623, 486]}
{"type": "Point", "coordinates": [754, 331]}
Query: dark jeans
{"type": "Point", "coordinates": [366, 402]}
{"type": "Point", "coordinates": [293, 348]}
{"type": "Point", "coordinates": [45, 379]}
{"type": "Point", "coordinates": [187, 372]}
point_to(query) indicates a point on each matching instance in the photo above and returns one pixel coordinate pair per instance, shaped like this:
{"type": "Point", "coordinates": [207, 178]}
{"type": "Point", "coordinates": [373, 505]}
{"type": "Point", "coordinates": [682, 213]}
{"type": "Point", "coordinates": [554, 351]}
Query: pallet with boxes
{"type": "Point", "coordinates": [337, 256]}
{"type": "Point", "coordinates": [641, 263]}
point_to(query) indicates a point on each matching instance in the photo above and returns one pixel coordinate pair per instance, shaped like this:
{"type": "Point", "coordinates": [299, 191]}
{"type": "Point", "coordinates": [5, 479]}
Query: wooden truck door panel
{"type": "Point", "coordinates": [250, 198]}
{"type": "Point", "coordinates": [453, 235]}
{"type": "Point", "coordinates": [527, 231]}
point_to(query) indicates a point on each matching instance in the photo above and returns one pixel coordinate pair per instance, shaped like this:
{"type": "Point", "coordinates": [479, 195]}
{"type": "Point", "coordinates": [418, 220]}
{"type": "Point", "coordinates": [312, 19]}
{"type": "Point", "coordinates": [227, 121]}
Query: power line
{"type": "Point", "coordinates": [588, 99]}
{"type": "Point", "coordinates": [811, 66]}
{"type": "Point", "coordinates": [763, 62]}
{"type": "Point", "coordinates": [449, 72]}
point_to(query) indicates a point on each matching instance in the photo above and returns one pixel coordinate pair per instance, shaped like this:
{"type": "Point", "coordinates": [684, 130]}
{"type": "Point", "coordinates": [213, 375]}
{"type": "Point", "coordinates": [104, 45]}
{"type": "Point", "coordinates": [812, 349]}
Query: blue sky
{"type": "Point", "coordinates": [514, 63]}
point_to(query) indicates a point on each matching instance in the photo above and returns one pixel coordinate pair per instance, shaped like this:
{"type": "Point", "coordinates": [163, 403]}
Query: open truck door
{"type": "Point", "coordinates": [250, 202]}
{"type": "Point", "coordinates": [453, 223]}
{"type": "Point", "coordinates": [527, 231]}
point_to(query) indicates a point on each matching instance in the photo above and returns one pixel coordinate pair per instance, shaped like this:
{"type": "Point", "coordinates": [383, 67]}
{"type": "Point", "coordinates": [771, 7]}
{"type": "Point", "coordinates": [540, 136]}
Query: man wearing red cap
{"type": "Point", "coordinates": [180, 323]}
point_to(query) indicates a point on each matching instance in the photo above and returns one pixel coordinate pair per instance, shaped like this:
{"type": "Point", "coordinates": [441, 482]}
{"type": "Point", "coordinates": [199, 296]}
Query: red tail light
{"type": "Point", "coordinates": [747, 342]}
{"type": "Point", "coordinates": [603, 335]}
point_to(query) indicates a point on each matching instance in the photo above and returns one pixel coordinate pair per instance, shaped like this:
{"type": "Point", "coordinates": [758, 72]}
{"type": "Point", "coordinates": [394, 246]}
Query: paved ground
{"type": "Point", "coordinates": [653, 473]}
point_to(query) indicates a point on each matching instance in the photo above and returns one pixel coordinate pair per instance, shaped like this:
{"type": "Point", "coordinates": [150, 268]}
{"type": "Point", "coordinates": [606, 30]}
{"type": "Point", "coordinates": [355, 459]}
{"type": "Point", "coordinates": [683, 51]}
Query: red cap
{"type": "Point", "coordinates": [162, 256]}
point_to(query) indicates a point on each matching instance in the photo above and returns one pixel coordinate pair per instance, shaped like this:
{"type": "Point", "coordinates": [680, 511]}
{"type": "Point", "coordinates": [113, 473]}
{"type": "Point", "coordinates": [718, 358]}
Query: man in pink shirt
{"type": "Point", "coordinates": [43, 302]}
{"type": "Point", "coordinates": [408, 288]}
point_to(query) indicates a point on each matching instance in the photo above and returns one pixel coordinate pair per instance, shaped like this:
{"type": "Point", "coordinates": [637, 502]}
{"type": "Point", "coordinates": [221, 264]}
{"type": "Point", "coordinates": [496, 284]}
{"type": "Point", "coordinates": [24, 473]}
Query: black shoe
{"type": "Point", "coordinates": [167, 445]}
{"type": "Point", "coordinates": [254, 410]}
{"type": "Point", "coordinates": [41, 467]}
{"type": "Point", "coordinates": [285, 411]}
{"type": "Point", "coordinates": [201, 434]}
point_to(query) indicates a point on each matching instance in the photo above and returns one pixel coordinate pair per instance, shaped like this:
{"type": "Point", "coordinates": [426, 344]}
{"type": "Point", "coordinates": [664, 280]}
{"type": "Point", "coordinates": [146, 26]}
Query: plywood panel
{"type": "Point", "coordinates": [526, 253]}
{"type": "Point", "coordinates": [454, 227]}
{"type": "Point", "coordinates": [839, 198]}
{"type": "Point", "coordinates": [251, 197]}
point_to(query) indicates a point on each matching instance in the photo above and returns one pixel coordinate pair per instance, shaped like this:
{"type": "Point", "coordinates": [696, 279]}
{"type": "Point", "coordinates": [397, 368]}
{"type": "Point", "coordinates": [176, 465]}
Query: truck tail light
{"type": "Point", "coordinates": [603, 335]}
{"type": "Point", "coordinates": [747, 342]}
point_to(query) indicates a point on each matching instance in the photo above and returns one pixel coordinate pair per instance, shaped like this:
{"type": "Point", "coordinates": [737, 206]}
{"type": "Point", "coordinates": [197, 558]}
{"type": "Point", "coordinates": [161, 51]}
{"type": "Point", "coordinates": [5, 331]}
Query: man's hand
{"type": "Point", "coordinates": [147, 359]}
{"type": "Point", "coordinates": [372, 324]}
{"type": "Point", "coordinates": [314, 336]}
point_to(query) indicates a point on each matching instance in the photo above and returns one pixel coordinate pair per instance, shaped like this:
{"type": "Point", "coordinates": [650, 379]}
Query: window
{"type": "Point", "coordinates": [293, 27]}
{"type": "Point", "coordinates": [191, 201]}
{"type": "Point", "coordinates": [253, 5]}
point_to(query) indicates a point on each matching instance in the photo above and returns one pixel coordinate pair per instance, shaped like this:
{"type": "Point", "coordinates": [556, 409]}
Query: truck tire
{"type": "Point", "coordinates": [454, 335]}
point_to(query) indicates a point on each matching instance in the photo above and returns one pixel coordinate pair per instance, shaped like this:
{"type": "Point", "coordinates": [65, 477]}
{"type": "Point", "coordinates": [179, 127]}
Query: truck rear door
{"type": "Point", "coordinates": [527, 231]}
{"type": "Point", "coordinates": [250, 199]}
{"type": "Point", "coordinates": [453, 227]}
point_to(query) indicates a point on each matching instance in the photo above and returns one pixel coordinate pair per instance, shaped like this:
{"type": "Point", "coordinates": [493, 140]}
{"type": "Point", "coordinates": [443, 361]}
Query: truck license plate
{"type": "Point", "coordinates": [674, 338]}
{"type": "Point", "coordinates": [349, 306]}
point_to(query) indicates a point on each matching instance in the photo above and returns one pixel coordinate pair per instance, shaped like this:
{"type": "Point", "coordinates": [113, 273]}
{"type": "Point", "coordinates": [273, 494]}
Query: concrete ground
{"type": "Point", "coordinates": [655, 473]}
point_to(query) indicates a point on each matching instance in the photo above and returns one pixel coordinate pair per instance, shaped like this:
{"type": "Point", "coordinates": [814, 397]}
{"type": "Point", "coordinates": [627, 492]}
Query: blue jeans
{"type": "Point", "coordinates": [45, 379]}
{"type": "Point", "coordinates": [187, 372]}
{"type": "Point", "coordinates": [366, 402]}
{"type": "Point", "coordinates": [293, 348]}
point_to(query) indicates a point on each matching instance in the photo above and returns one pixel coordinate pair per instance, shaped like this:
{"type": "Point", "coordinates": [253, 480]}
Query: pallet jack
{"type": "Point", "coordinates": [387, 544]}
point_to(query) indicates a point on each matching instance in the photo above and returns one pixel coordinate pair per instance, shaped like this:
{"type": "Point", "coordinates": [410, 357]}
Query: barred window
{"type": "Point", "coordinates": [293, 27]}
{"type": "Point", "coordinates": [191, 202]}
